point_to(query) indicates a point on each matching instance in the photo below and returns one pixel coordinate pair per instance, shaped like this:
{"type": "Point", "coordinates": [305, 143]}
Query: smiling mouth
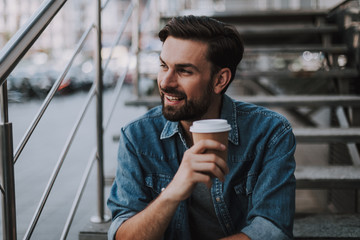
{"type": "Point", "coordinates": [173, 98]}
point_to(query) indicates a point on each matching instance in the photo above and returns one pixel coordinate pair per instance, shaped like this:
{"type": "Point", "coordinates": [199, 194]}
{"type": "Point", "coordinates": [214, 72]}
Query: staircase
{"type": "Point", "coordinates": [305, 64]}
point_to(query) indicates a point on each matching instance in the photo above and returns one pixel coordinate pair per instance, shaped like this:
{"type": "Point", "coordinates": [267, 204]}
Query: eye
{"type": "Point", "coordinates": [185, 71]}
{"type": "Point", "coordinates": [163, 65]}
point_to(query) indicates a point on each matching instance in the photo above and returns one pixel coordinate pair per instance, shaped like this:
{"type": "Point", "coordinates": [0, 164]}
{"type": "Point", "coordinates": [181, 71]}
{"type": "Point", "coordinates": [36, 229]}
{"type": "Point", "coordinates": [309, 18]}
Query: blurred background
{"type": "Point", "coordinates": [35, 75]}
{"type": "Point", "coordinates": [301, 59]}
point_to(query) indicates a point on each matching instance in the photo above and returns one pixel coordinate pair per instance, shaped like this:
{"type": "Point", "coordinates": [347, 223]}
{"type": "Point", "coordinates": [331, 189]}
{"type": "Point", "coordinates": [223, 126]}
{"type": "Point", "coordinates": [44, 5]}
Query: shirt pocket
{"type": "Point", "coordinates": [246, 186]}
{"type": "Point", "coordinates": [244, 192]}
{"type": "Point", "coordinates": [157, 182]}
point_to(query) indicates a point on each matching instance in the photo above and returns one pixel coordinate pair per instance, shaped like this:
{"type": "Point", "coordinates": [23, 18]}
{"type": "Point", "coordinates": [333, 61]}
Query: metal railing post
{"type": "Point", "coordinates": [99, 120]}
{"type": "Point", "coordinates": [7, 170]}
{"type": "Point", "coordinates": [136, 43]}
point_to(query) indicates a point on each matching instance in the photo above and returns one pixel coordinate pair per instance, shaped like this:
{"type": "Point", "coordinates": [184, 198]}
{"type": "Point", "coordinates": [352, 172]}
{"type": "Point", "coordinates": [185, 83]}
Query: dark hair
{"type": "Point", "coordinates": [225, 47]}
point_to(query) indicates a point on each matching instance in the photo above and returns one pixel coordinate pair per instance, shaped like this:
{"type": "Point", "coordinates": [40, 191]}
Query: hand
{"type": "Point", "coordinates": [198, 166]}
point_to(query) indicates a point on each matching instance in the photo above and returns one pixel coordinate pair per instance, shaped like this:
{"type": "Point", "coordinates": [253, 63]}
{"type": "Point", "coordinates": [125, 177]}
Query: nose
{"type": "Point", "coordinates": [167, 79]}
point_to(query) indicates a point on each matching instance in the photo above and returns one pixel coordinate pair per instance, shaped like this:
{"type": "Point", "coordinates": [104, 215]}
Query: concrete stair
{"type": "Point", "coordinates": [279, 33]}
{"type": "Point", "coordinates": [280, 101]}
{"type": "Point", "coordinates": [306, 227]}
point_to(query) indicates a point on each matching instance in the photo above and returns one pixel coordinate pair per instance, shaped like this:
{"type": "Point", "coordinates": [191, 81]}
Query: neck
{"type": "Point", "coordinates": [212, 113]}
{"type": "Point", "coordinates": [188, 136]}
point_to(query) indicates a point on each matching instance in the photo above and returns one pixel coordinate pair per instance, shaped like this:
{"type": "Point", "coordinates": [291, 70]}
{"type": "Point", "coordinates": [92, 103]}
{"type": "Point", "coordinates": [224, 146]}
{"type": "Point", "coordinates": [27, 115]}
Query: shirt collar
{"type": "Point", "coordinates": [228, 112]}
{"type": "Point", "coordinates": [170, 129]}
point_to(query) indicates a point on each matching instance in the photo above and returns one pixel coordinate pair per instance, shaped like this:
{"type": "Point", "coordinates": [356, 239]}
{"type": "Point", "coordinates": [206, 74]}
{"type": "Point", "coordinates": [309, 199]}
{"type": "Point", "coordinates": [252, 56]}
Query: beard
{"type": "Point", "coordinates": [191, 110]}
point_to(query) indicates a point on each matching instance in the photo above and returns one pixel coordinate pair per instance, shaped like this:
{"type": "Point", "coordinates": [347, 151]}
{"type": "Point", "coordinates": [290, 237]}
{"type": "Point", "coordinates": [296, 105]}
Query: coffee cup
{"type": "Point", "coordinates": [215, 129]}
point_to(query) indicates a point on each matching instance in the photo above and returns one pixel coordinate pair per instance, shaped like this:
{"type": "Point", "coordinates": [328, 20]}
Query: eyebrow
{"type": "Point", "coordinates": [183, 65]}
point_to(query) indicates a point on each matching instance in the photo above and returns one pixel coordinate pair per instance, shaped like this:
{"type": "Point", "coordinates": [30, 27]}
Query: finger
{"type": "Point", "coordinates": [200, 177]}
{"type": "Point", "coordinates": [220, 162]}
{"type": "Point", "coordinates": [210, 169]}
{"type": "Point", "coordinates": [210, 158]}
{"type": "Point", "coordinates": [207, 144]}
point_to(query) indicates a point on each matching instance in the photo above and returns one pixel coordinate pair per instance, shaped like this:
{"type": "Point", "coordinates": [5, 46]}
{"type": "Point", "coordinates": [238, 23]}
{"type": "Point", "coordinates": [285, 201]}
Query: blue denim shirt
{"type": "Point", "coordinates": [258, 195]}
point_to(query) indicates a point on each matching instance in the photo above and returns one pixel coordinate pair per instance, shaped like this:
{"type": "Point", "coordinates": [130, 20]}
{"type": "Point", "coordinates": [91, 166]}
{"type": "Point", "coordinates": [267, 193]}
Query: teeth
{"type": "Point", "coordinates": [171, 98]}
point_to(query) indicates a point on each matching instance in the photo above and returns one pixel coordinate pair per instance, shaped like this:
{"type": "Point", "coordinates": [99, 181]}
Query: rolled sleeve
{"type": "Point", "coordinates": [116, 223]}
{"type": "Point", "coordinates": [127, 195]}
{"type": "Point", "coordinates": [261, 228]}
{"type": "Point", "coordinates": [273, 198]}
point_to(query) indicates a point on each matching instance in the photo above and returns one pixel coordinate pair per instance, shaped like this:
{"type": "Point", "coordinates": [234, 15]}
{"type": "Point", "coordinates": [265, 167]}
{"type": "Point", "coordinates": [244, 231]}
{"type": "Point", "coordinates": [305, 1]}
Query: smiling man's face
{"type": "Point", "coordinates": [184, 80]}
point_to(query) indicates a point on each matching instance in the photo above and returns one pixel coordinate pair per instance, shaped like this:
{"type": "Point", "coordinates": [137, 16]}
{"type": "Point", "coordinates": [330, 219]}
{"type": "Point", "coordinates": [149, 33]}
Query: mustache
{"type": "Point", "coordinates": [172, 91]}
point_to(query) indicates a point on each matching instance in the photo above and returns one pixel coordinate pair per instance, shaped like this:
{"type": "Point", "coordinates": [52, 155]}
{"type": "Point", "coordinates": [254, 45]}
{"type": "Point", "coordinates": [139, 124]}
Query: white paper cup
{"type": "Point", "coordinates": [215, 129]}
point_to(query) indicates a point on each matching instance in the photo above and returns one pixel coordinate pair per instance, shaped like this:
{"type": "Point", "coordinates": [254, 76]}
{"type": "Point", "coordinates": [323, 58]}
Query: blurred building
{"type": "Point", "coordinates": [71, 23]}
{"type": "Point", "coordinates": [65, 30]}
{"type": "Point", "coordinates": [235, 5]}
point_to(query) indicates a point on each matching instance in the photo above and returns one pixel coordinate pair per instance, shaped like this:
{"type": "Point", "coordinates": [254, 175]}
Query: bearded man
{"type": "Point", "coordinates": [167, 187]}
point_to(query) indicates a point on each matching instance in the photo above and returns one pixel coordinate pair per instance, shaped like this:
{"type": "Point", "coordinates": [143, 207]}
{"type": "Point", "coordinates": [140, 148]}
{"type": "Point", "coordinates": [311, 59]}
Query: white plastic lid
{"type": "Point", "coordinates": [210, 126]}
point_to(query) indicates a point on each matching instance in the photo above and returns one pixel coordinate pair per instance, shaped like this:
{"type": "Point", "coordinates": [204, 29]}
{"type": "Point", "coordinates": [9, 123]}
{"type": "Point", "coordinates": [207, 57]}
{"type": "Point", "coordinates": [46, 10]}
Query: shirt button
{"type": "Point", "coordinates": [217, 199]}
{"type": "Point", "coordinates": [163, 189]}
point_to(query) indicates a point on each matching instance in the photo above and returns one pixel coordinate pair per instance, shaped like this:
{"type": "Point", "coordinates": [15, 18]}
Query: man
{"type": "Point", "coordinates": [168, 188]}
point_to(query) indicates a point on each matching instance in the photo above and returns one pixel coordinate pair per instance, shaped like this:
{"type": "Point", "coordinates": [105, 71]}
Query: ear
{"type": "Point", "coordinates": [222, 79]}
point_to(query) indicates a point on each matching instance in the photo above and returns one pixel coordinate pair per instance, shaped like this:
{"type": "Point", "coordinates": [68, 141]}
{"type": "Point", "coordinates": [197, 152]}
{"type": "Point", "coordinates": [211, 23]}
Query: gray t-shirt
{"type": "Point", "coordinates": [202, 217]}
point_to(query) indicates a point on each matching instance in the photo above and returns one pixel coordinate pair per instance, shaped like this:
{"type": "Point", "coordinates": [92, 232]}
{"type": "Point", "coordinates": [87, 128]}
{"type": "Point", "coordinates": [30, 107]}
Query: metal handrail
{"type": "Point", "coordinates": [22, 41]}
{"type": "Point", "coordinates": [99, 115]}
{"type": "Point", "coordinates": [78, 195]}
{"type": "Point", "coordinates": [344, 123]}
{"type": "Point", "coordinates": [10, 56]}
{"type": "Point", "coordinates": [7, 170]}
{"type": "Point", "coordinates": [91, 162]}
{"type": "Point", "coordinates": [122, 27]}
{"type": "Point", "coordinates": [58, 165]}
{"type": "Point", "coordinates": [116, 95]}
{"type": "Point", "coordinates": [338, 6]}
{"type": "Point", "coordinates": [50, 96]}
